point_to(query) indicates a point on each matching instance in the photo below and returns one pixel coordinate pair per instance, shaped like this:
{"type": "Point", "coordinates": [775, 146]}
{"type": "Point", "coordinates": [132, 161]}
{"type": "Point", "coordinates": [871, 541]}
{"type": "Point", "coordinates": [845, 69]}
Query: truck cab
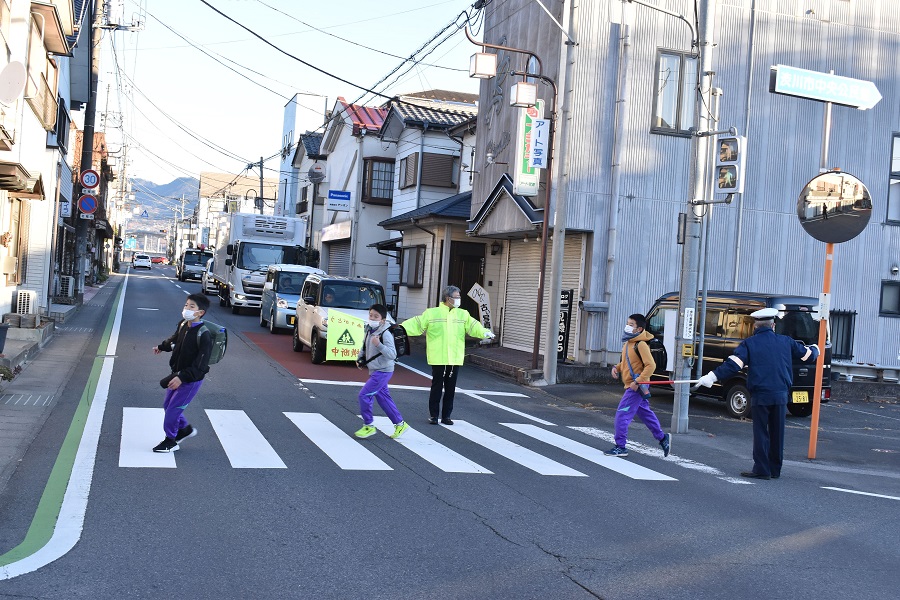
{"type": "Point", "coordinates": [727, 322]}
{"type": "Point", "coordinates": [192, 263]}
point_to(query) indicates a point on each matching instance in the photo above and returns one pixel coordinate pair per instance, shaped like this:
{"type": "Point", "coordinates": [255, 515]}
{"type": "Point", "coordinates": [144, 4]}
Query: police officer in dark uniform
{"type": "Point", "coordinates": [768, 357]}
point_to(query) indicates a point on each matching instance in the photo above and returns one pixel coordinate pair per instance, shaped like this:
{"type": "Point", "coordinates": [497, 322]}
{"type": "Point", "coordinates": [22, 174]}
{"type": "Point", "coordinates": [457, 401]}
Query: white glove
{"type": "Point", "coordinates": [708, 380]}
{"type": "Point", "coordinates": [489, 335]}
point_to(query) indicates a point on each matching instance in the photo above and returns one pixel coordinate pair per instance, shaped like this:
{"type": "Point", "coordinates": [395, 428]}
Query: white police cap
{"type": "Point", "coordinates": [765, 314]}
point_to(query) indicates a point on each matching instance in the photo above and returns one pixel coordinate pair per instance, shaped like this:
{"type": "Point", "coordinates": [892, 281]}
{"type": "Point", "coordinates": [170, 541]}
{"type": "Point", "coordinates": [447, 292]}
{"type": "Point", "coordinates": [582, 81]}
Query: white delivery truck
{"type": "Point", "coordinates": [248, 244]}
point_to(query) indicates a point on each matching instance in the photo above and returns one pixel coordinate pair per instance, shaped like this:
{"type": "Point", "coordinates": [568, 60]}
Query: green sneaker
{"type": "Point", "coordinates": [399, 428]}
{"type": "Point", "coordinates": [366, 431]}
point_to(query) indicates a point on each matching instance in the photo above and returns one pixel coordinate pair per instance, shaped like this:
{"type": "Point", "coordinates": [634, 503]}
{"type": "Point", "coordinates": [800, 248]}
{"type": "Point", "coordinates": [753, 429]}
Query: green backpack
{"type": "Point", "coordinates": [219, 337]}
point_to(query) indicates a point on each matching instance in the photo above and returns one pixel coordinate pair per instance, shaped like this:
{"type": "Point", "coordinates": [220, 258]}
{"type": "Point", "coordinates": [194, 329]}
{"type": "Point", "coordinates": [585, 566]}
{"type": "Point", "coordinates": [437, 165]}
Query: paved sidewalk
{"type": "Point", "coordinates": [28, 400]}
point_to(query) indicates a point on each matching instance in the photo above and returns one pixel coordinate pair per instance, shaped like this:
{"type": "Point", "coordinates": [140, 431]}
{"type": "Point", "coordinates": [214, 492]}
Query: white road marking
{"type": "Point", "coordinates": [437, 454]}
{"type": "Point", "coordinates": [346, 452]}
{"type": "Point", "coordinates": [860, 493]}
{"type": "Point", "coordinates": [142, 308]}
{"type": "Point", "coordinates": [141, 431]}
{"type": "Point", "coordinates": [629, 469]}
{"type": "Point", "coordinates": [657, 452]}
{"type": "Point", "coordinates": [244, 444]}
{"type": "Point", "coordinates": [514, 452]}
{"type": "Point", "coordinates": [476, 395]}
{"type": "Point", "coordinates": [70, 521]}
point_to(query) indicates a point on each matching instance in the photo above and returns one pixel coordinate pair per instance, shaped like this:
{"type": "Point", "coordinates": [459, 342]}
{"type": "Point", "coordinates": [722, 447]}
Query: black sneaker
{"type": "Point", "coordinates": [666, 444]}
{"type": "Point", "coordinates": [432, 420]}
{"type": "Point", "coordinates": [447, 421]}
{"type": "Point", "coordinates": [167, 445]}
{"type": "Point", "coordinates": [184, 433]}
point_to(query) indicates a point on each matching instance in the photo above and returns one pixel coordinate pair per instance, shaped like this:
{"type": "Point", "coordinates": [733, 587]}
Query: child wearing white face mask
{"type": "Point", "coordinates": [378, 354]}
{"type": "Point", "coordinates": [190, 348]}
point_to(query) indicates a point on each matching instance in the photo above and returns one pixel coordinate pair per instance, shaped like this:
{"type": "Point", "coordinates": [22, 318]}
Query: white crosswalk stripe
{"type": "Point", "coordinates": [627, 468]}
{"type": "Point", "coordinates": [246, 447]}
{"type": "Point", "coordinates": [437, 454]}
{"type": "Point", "coordinates": [141, 431]}
{"type": "Point", "coordinates": [346, 452]}
{"type": "Point", "coordinates": [244, 444]}
{"type": "Point", "coordinates": [514, 452]}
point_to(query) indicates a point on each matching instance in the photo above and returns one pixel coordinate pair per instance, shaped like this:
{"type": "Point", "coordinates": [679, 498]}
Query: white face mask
{"type": "Point", "coordinates": [374, 324]}
{"type": "Point", "coordinates": [188, 315]}
{"type": "Point", "coordinates": [629, 329]}
{"type": "Point", "coordinates": [457, 302]}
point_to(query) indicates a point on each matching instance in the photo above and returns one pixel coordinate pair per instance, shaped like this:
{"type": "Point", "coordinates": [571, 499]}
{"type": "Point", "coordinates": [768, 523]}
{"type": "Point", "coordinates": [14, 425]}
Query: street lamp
{"type": "Point", "coordinates": [524, 95]}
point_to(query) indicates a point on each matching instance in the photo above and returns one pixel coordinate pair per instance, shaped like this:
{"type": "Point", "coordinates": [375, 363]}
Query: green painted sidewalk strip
{"type": "Point", "coordinates": [47, 513]}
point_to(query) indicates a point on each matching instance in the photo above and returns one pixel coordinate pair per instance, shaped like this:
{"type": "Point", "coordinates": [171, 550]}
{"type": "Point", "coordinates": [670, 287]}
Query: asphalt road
{"type": "Point", "coordinates": [274, 499]}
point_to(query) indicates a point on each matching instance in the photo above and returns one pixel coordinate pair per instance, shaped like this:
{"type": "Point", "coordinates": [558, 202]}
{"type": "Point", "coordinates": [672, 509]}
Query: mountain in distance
{"type": "Point", "coordinates": [162, 200]}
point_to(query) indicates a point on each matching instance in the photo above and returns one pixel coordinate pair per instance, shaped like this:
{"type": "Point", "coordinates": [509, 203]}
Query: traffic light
{"type": "Point", "coordinates": [163, 230]}
{"type": "Point", "coordinates": [730, 160]}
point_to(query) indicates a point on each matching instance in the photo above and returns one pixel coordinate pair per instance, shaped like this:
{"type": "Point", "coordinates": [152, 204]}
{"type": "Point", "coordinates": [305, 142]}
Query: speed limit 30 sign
{"type": "Point", "coordinates": [90, 178]}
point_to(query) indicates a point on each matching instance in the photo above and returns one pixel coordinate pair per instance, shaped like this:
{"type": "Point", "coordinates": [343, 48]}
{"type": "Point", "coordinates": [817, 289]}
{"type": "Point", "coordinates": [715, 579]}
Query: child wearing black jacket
{"type": "Point", "coordinates": [190, 348]}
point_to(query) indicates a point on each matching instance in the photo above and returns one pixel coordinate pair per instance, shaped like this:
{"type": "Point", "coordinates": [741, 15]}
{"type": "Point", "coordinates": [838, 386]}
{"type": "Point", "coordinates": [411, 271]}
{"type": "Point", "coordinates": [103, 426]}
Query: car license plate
{"type": "Point", "coordinates": [800, 397]}
{"type": "Point", "coordinates": [290, 320]}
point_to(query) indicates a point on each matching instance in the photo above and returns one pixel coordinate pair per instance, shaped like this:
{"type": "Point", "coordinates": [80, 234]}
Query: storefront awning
{"type": "Point", "coordinates": [15, 179]}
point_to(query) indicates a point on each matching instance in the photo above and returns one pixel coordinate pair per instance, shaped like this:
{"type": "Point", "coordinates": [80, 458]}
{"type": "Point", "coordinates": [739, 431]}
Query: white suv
{"type": "Point", "coordinates": [142, 261]}
{"type": "Point", "coordinates": [321, 292]}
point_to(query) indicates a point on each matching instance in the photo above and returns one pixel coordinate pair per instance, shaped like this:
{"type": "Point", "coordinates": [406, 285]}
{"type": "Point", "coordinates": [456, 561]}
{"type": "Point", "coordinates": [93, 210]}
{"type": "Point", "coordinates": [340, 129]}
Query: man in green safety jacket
{"type": "Point", "coordinates": [445, 327]}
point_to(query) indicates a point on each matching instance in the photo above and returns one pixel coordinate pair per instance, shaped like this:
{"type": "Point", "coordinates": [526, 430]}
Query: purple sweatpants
{"type": "Point", "coordinates": [377, 387]}
{"type": "Point", "coordinates": [631, 406]}
{"type": "Point", "coordinates": [175, 403]}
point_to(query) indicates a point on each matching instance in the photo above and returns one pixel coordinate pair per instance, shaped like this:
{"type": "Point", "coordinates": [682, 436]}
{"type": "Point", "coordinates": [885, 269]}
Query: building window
{"type": "Point", "coordinates": [437, 170]}
{"type": "Point", "coordinates": [378, 181]}
{"type": "Point", "coordinates": [890, 299]}
{"type": "Point", "coordinates": [19, 226]}
{"type": "Point", "coordinates": [40, 85]}
{"type": "Point", "coordinates": [893, 210]}
{"type": "Point", "coordinates": [842, 322]}
{"type": "Point", "coordinates": [409, 169]}
{"type": "Point", "coordinates": [58, 137]}
{"type": "Point", "coordinates": [412, 267]}
{"type": "Point", "coordinates": [676, 90]}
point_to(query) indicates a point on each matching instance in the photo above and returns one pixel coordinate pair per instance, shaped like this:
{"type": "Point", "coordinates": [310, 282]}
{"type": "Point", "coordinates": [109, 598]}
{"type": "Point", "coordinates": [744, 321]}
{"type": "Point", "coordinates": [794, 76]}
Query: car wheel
{"type": "Point", "coordinates": [317, 348]}
{"type": "Point", "coordinates": [262, 322]}
{"type": "Point", "coordinates": [235, 310]}
{"type": "Point", "coordinates": [738, 400]}
{"type": "Point", "coordinates": [222, 301]}
{"type": "Point", "coordinates": [297, 344]}
{"type": "Point", "coordinates": [272, 329]}
{"type": "Point", "coordinates": [800, 410]}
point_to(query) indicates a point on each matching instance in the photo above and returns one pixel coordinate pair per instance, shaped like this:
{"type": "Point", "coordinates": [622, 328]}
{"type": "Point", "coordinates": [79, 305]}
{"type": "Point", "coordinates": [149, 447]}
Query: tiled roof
{"type": "Point", "coordinates": [454, 207]}
{"type": "Point", "coordinates": [435, 113]}
{"type": "Point", "coordinates": [445, 95]}
{"type": "Point", "coordinates": [311, 142]}
{"type": "Point", "coordinates": [364, 117]}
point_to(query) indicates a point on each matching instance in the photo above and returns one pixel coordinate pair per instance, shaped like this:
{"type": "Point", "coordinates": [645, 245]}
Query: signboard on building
{"type": "Point", "coordinates": [540, 146]}
{"type": "Point", "coordinates": [565, 324]}
{"type": "Point", "coordinates": [483, 300]}
{"type": "Point", "coordinates": [338, 201]}
{"type": "Point", "coordinates": [526, 179]}
{"type": "Point", "coordinates": [65, 208]}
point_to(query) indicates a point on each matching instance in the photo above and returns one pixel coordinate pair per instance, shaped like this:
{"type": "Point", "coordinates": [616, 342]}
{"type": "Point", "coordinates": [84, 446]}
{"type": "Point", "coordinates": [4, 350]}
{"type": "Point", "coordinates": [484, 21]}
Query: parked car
{"type": "Point", "coordinates": [207, 283]}
{"type": "Point", "coordinates": [281, 292]}
{"type": "Point", "coordinates": [142, 261]}
{"type": "Point", "coordinates": [158, 260]}
{"type": "Point", "coordinates": [323, 292]}
{"type": "Point", "coordinates": [192, 263]}
{"type": "Point", "coordinates": [726, 323]}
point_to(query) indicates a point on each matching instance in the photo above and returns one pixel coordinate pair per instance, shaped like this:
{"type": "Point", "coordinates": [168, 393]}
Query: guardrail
{"type": "Point", "coordinates": [848, 371]}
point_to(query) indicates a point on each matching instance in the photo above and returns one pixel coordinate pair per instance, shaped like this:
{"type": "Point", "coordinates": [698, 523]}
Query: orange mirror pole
{"type": "Point", "coordinates": [820, 361]}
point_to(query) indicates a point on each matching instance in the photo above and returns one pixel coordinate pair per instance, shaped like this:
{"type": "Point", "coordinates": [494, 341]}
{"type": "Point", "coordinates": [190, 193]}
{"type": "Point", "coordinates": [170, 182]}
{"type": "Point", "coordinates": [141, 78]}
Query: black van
{"type": "Point", "coordinates": [728, 322]}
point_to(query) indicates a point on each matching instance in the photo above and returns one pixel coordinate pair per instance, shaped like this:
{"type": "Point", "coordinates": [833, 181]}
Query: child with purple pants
{"type": "Point", "coordinates": [381, 351]}
{"type": "Point", "coordinates": [190, 348]}
{"type": "Point", "coordinates": [637, 364]}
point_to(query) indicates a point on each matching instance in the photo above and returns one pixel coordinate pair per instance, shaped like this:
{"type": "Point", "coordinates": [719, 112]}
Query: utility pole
{"type": "Point", "coordinates": [687, 307]}
{"type": "Point", "coordinates": [261, 185]}
{"type": "Point", "coordinates": [87, 147]}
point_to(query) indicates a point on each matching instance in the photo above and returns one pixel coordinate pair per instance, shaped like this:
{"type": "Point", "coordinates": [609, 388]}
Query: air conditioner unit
{"type": "Point", "coordinates": [67, 286]}
{"type": "Point", "coordinates": [25, 301]}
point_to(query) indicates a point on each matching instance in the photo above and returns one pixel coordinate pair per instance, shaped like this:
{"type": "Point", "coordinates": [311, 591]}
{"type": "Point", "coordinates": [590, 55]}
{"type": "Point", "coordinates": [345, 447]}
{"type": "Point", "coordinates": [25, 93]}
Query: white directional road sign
{"type": "Point", "coordinates": [823, 87]}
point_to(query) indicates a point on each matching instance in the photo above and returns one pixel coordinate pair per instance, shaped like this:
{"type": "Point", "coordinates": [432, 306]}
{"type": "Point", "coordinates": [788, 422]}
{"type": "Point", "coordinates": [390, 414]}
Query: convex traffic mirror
{"type": "Point", "coordinates": [834, 207]}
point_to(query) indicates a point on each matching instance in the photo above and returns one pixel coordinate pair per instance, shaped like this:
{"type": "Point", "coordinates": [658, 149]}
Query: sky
{"type": "Point", "coordinates": [192, 91]}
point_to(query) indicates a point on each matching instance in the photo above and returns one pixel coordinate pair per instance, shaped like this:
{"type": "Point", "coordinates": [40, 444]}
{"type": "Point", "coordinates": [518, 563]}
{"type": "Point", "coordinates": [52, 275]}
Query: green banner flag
{"type": "Point", "coordinates": [345, 336]}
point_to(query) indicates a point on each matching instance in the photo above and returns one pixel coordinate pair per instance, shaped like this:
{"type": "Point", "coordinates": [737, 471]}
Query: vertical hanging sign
{"type": "Point", "coordinates": [526, 178]}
